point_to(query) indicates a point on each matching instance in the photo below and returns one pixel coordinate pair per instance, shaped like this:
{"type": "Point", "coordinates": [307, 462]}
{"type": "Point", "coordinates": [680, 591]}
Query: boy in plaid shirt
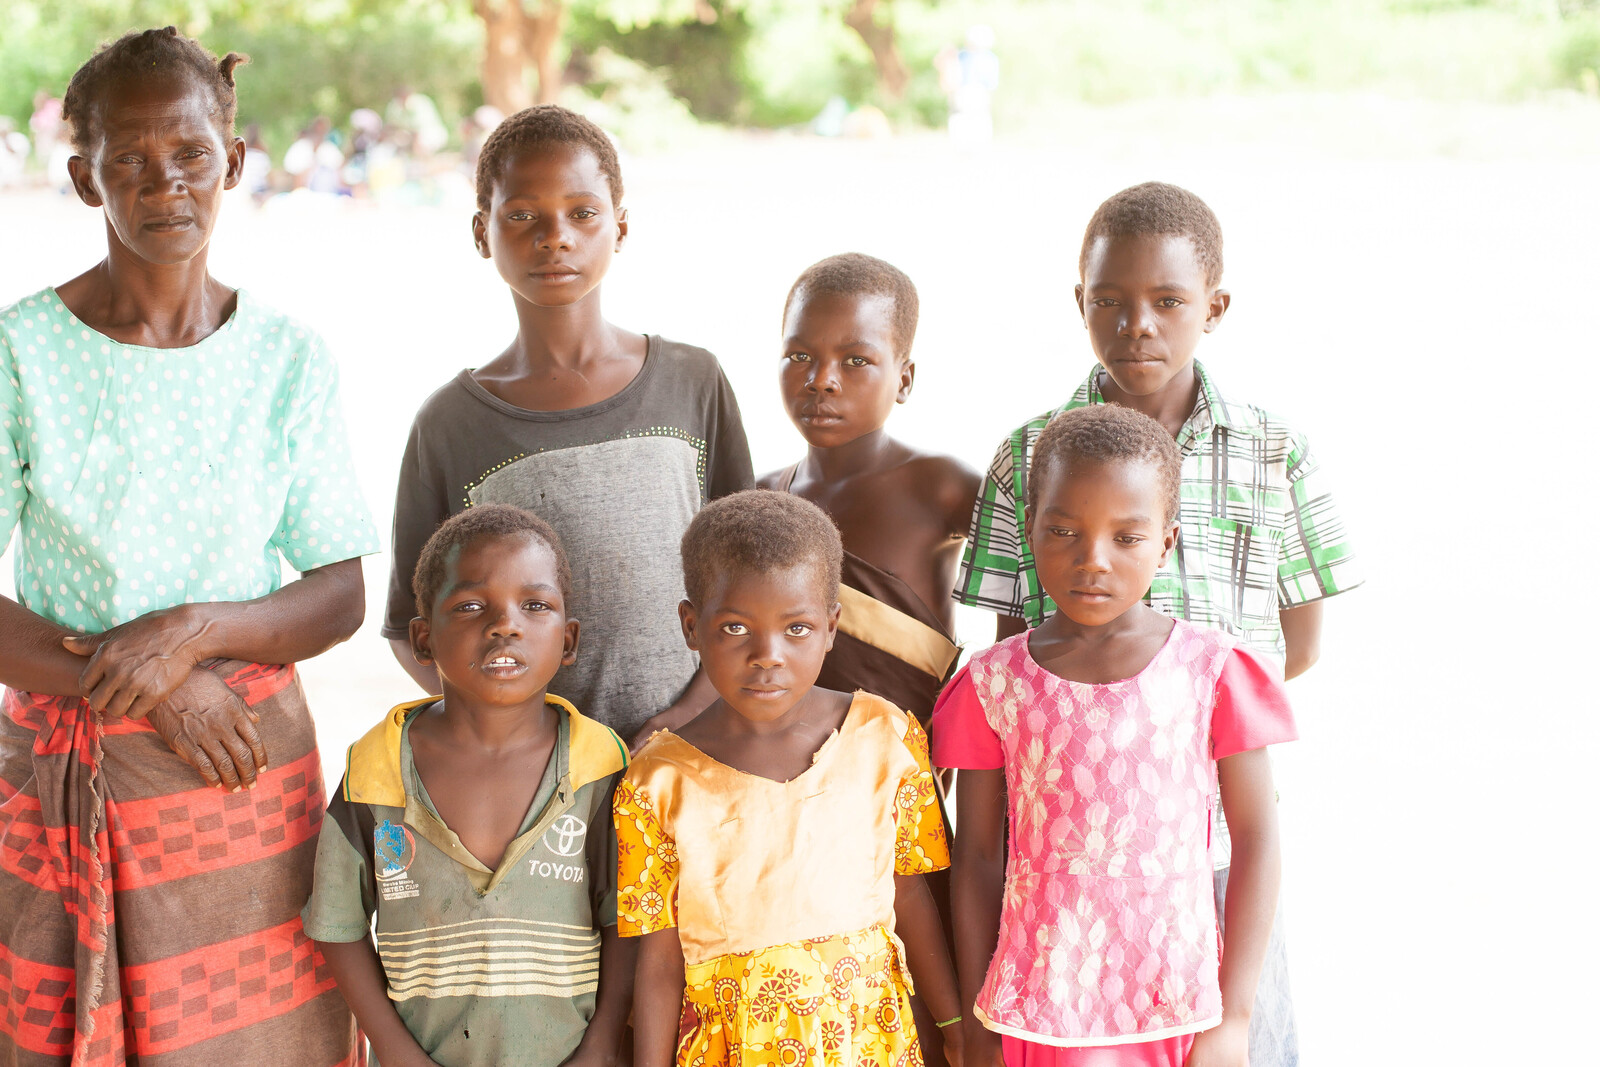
{"type": "Point", "coordinates": [1261, 544]}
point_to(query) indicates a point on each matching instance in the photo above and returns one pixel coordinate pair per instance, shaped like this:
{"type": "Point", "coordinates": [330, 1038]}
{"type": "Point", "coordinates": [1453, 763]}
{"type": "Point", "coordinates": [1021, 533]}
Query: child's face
{"type": "Point", "coordinates": [498, 629]}
{"type": "Point", "coordinates": [1099, 533]}
{"type": "Point", "coordinates": [158, 165]}
{"type": "Point", "coordinates": [841, 375]}
{"type": "Point", "coordinates": [762, 637]}
{"type": "Point", "coordinates": [551, 227]}
{"type": "Point", "coordinates": [1146, 305]}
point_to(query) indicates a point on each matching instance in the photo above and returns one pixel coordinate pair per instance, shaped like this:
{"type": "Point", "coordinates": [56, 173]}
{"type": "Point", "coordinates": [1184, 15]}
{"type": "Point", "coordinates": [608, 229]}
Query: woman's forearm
{"type": "Point", "coordinates": [302, 620]}
{"type": "Point", "coordinates": [32, 657]}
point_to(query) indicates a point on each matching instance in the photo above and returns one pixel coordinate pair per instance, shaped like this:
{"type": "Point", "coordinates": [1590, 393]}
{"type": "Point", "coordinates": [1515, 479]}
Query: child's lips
{"type": "Point", "coordinates": [502, 666]}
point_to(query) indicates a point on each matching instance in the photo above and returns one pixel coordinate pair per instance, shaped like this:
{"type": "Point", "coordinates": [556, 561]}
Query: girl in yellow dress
{"type": "Point", "coordinates": [771, 850]}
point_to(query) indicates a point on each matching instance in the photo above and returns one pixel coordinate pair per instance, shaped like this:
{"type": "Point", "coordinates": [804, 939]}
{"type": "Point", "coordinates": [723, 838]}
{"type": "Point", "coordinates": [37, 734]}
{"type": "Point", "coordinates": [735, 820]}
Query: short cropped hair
{"type": "Point", "coordinates": [483, 520]}
{"type": "Point", "coordinates": [1156, 209]}
{"type": "Point", "coordinates": [163, 53]}
{"type": "Point", "coordinates": [1108, 433]}
{"type": "Point", "coordinates": [853, 274]}
{"type": "Point", "coordinates": [539, 127]}
{"type": "Point", "coordinates": [761, 530]}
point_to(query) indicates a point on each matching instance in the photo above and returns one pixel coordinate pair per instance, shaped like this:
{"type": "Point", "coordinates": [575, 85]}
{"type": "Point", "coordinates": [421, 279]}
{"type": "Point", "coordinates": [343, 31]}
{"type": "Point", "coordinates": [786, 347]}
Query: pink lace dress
{"type": "Point", "coordinates": [1108, 932]}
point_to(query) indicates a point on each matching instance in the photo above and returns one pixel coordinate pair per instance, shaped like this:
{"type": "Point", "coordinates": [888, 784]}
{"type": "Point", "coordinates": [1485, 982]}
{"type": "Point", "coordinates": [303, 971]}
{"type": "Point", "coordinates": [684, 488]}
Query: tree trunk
{"type": "Point", "coordinates": [879, 37]}
{"type": "Point", "coordinates": [515, 39]}
{"type": "Point", "coordinates": [541, 35]}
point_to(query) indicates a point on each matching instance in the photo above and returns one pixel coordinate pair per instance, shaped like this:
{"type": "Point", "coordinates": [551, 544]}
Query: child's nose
{"type": "Point", "coordinates": [824, 378]}
{"type": "Point", "coordinates": [555, 236]}
{"type": "Point", "coordinates": [1137, 321]}
{"type": "Point", "coordinates": [1094, 558]}
{"type": "Point", "coordinates": [504, 622]}
{"type": "Point", "coordinates": [767, 653]}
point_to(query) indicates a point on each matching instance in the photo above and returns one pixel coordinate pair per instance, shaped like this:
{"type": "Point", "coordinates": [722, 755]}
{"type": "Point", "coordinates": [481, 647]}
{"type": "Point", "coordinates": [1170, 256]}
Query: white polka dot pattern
{"type": "Point", "coordinates": [147, 477]}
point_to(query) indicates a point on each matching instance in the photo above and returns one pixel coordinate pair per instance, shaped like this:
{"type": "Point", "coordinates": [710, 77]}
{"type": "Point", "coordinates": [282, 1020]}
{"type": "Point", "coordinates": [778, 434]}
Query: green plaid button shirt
{"type": "Point", "coordinates": [1258, 530]}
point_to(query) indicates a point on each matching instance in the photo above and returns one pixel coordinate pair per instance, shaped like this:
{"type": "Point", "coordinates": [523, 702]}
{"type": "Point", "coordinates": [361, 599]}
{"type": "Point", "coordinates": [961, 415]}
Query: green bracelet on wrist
{"type": "Point", "coordinates": [948, 1022]}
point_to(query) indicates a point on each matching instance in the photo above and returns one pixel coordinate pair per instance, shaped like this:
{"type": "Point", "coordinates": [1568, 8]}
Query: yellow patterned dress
{"type": "Point", "coordinates": [783, 892]}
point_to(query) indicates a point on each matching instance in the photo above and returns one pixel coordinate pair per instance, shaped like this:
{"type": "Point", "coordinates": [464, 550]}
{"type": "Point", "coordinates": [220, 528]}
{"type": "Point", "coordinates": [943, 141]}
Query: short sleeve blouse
{"type": "Point", "coordinates": [143, 478]}
{"type": "Point", "coordinates": [1251, 711]}
{"type": "Point", "coordinates": [649, 867]}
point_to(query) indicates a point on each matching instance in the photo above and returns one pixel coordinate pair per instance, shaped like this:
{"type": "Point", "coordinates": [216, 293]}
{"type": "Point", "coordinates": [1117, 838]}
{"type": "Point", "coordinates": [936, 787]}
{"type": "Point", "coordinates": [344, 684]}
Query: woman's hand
{"type": "Point", "coordinates": [1225, 1045]}
{"type": "Point", "coordinates": [135, 666]}
{"type": "Point", "coordinates": [206, 724]}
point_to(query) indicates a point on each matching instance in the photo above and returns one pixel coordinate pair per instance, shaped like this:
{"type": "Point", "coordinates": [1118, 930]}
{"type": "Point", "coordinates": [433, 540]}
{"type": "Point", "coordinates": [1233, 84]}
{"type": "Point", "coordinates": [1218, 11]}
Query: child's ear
{"type": "Point", "coordinates": [480, 234]}
{"type": "Point", "coordinates": [569, 644]}
{"type": "Point", "coordinates": [833, 624]}
{"type": "Point", "coordinates": [83, 181]}
{"type": "Point", "coordinates": [622, 227]}
{"type": "Point", "coordinates": [908, 377]}
{"type": "Point", "coordinates": [1220, 299]}
{"type": "Point", "coordinates": [421, 635]}
{"type": "Point", "coordinates": [687, 619]}
{"type": "Point", "coordinates": [1168, 543]}
{"type": "Point", "coordinates": [1027, 525]}
{"type": "Point", "coordinates": [1077, 294]}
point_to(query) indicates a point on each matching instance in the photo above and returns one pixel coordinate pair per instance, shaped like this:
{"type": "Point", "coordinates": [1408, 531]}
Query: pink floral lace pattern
{"type": "Point", "coordinates": [1108, 932]}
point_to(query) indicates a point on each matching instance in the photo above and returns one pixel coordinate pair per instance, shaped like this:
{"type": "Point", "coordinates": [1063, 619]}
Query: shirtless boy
{"type": "Point", "coordinates": [848, 325]}
{"type": "Point", "coordinates": [477, 824]}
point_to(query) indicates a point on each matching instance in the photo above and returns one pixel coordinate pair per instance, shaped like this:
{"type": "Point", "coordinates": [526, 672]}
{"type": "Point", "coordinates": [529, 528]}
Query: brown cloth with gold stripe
{"type": "Point", "coordinates": [889, 643]}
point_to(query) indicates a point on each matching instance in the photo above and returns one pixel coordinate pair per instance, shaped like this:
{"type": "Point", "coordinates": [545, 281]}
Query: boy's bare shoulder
{"type": "Point", "coordinates": [778, 479]}
{"type": "Point", "coordinates": [943, 481]}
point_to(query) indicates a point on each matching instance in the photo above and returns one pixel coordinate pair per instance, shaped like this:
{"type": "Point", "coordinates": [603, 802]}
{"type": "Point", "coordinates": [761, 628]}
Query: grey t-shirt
{"type": "Point", "coordinates": [618, 480]}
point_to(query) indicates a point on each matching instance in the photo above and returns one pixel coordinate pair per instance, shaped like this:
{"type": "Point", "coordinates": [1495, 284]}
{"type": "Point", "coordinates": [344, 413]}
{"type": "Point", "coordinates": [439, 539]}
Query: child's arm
{"type": "Point", "coordinates": [362, 983]}
{"type": "Point", "coordinates": [1249, 803]}
{"type": "Point", "coordinates": [604, 1036]}
{"type": "Point", "coordinates": [657, 999]}
{"type": "Point", "coordinates": [1008, 626]}
{"type": "Point", "coordinates": [1302, 637]}
{"type": "Point", "coordinates": [977, 886]}
{"type": "Point", "coordinates": [916, 920]}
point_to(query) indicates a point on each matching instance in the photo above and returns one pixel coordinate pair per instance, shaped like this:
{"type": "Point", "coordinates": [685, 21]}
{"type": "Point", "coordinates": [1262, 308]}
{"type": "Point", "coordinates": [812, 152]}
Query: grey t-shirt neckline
{"type": "Point", "coordinates": [640, 382]}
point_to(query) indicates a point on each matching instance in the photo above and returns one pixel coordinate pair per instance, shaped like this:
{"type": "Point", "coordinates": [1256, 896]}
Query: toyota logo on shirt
{"type": "Point", "coordinates": [565, 836]}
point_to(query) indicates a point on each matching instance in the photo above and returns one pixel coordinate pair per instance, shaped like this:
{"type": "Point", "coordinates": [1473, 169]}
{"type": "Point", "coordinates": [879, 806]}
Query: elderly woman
{"type": "Point", "coordinates": [163, 440]}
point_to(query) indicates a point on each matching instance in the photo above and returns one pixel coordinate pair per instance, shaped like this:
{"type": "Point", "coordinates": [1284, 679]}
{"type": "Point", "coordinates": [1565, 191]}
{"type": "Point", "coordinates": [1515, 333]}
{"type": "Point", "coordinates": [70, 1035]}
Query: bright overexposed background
{"type": "Point", "coordinates": [1415, 285]}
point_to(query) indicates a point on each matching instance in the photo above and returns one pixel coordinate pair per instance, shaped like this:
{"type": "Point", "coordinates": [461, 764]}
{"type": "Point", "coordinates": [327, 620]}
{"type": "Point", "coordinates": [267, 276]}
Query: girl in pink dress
{"type": "Point", "coordinates": [1104, 735]}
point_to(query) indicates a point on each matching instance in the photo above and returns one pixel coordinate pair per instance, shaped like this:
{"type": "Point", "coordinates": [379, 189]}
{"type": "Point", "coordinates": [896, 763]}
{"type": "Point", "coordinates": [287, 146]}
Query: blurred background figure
{"type": "Point", "coordinates": [417, 117]}
{"type": "Point", "coordinates": [969, 76]}
{"type": "Point", "coordinates": [475, 129]}
{"type": "Point", "coordinates": [13, 153]}
{"type": "Point", "coordinates": [257, 178]}
{"type": "Point", "coordinates": [366, 132]}
{"type": "Point", "coordinates": [314, 160]}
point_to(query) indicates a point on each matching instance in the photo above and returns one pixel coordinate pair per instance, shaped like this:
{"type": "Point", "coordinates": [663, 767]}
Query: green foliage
{"type": "Point", "coordinates": [778, 62]}
{"type": "Point", "coordinates": [308, 57]}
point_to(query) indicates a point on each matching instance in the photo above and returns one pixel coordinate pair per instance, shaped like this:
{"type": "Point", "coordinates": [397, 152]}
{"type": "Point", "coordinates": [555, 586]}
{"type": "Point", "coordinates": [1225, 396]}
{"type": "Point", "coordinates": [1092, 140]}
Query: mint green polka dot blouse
{"type": "Point", "coordinates": [141, 478]}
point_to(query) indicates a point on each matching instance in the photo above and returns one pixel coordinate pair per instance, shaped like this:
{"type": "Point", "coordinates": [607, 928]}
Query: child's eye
{"type": "Point", "coordinates": [799, 357]}
{"type": "Point", "coordinates": [1171, 302]}
{"type": "Point", "coordinates": [467, 605]}
{"type": "Point", "coordinates": [735, 629]}
{"type": "Point", "coordinates": [1060, 531]}
{"type": "Point", "coordinates": [520, 216]}
{"type": "Point", "coordinates": [798, 629]}
{"type": "Point", "coordinates": [536, 605]}
{"type": "Point", "coordinates": [584, 213]}
{"type": "Point", "coordinates": [1104, 302]}
{"type": "Point", "coordinates": [1129, 539]}
{"type": "Point", "coordinates": [857, 361]}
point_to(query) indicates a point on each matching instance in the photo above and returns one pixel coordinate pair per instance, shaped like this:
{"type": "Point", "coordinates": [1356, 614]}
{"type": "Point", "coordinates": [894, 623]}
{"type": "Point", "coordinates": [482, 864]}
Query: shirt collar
{"type": "Point", "coordinates": [1211, 408]}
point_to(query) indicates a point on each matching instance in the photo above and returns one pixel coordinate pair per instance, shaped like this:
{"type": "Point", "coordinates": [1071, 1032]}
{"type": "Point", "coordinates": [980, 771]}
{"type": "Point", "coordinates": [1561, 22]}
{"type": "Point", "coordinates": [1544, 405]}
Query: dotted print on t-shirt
{"type": "Point", "coordinates": [142, 478]}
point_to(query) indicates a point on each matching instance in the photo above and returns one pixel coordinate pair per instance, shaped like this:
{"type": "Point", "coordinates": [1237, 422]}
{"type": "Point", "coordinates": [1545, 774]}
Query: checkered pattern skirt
{"type": "Point", "coordinates": [147, 917]}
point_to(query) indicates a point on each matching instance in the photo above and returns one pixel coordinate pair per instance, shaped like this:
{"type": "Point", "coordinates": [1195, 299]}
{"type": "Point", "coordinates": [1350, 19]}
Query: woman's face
{"type": "Point", "coordinates": [158, 165]}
